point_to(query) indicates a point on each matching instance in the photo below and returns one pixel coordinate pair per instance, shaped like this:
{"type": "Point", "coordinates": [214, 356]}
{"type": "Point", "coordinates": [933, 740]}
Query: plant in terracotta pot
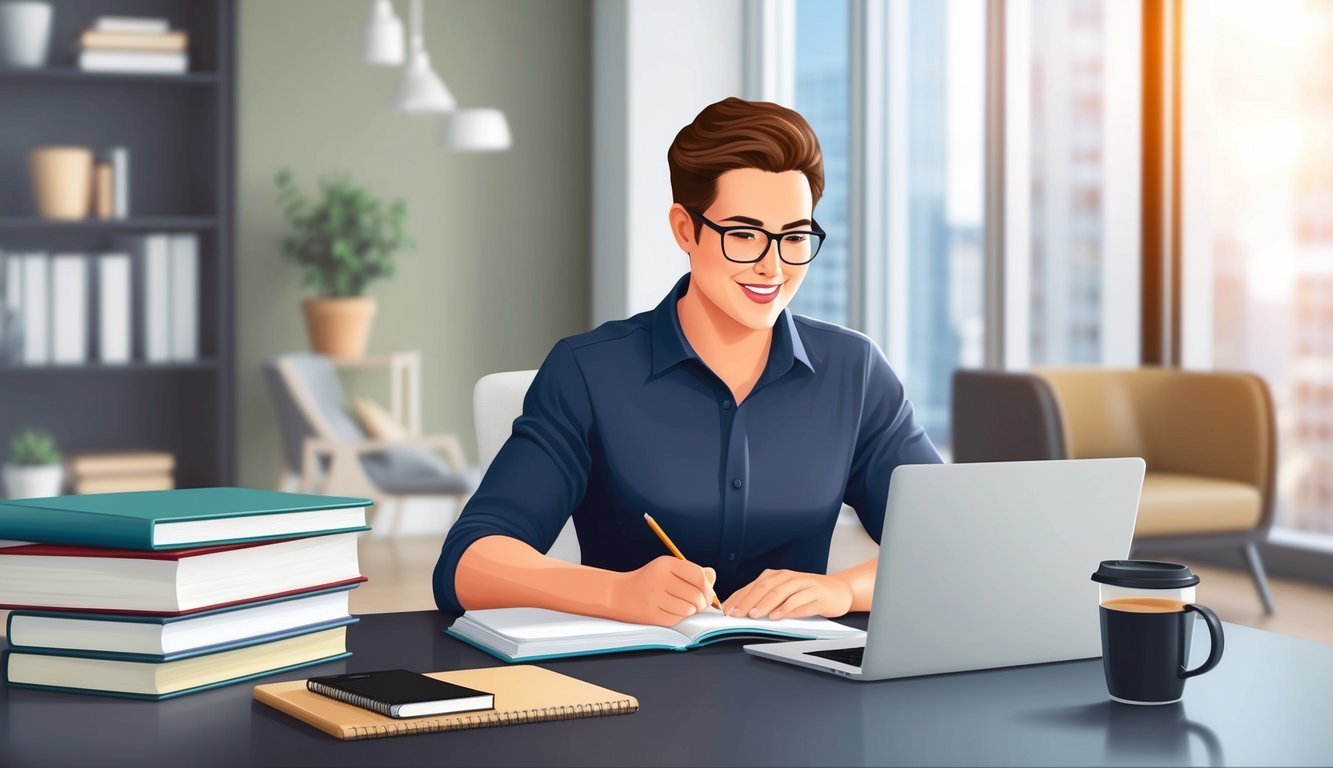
{"type": "Point", "coordinates": [344, 240]}
{"type": "Point", "coordinates": [34, 466]}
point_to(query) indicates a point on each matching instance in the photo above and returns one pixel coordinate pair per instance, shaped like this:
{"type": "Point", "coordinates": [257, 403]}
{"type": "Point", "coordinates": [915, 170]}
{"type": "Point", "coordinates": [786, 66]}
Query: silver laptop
{"type": "Point", "coordinates": [985, 565]}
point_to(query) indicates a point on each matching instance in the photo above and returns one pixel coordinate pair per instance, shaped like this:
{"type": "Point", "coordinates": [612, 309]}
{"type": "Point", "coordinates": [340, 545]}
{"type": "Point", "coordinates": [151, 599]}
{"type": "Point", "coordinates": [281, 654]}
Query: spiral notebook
{"type": "Point", "coordinates": [523, 694]}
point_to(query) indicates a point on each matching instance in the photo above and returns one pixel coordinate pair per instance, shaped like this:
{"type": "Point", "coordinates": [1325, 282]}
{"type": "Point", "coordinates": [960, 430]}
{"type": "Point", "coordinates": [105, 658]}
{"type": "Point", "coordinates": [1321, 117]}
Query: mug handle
{"type": "Point", "coordinates": [1214, 634]}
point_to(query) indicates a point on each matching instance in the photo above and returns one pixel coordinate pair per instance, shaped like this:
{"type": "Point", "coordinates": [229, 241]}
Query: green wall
{"type": "Point", "coordinates": [501, 265]}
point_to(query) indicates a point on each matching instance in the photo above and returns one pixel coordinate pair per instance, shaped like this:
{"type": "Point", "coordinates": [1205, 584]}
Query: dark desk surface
{"type": "Point", "coordinates": [1267, 704]}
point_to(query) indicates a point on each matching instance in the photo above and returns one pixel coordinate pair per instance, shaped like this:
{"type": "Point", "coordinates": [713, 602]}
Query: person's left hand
{"type": "Point", "coordinates": [790, 595]}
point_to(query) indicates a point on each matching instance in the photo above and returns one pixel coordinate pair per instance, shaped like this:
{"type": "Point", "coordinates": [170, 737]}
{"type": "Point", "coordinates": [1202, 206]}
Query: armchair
{"type": "Point", "coordinates": [332, 454]}
{"type": "Point", "coordinates": [1209, 440]}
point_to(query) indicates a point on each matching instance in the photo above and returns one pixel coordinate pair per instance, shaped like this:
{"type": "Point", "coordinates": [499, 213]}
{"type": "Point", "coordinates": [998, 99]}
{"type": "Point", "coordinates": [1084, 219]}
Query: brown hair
{"type": "Point", "coordinates": [735, 133]}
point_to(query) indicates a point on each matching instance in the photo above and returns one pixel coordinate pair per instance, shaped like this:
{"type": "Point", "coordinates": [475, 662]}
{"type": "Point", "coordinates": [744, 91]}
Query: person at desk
{"type": "Point", "coordinates": [740, 427]}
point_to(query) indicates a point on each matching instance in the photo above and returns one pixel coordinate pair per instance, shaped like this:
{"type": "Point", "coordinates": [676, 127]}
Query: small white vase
{"type": "Point", "coordinates": [25, 34]}
{"type": "Point", "coordinates": [32, 482]}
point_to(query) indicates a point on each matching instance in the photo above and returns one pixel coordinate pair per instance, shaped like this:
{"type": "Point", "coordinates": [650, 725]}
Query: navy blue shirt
{"type": "Point", "coordinates": [627, 419]}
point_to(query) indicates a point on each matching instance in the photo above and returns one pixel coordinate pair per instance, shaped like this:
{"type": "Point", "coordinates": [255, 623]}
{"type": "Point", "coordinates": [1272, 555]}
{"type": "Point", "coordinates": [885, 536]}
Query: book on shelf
{"type": "Point", "coordinates": [136, 62]}
{"type": "Point", "coordinates": [69, 309]}
{"type": "Point", "coordinates": [526, 634]}
{"type": "Point", "coordinates": [167, 287]}
{"type": "Point", "coordinates": [144, 25]}
{"type": "Point", "coordinates": [190, 517]}
{"type": "Point", "coordinates": [36, 312]}
{"type": "Point", "coordinates": [113, 308]}
{"type": "Point", "coordinates": [523, 694]}
{"type": "Point", "coordinates": [166, 638]}
{"type": "Point", "coordinates": [167, 679]}
{"type": "Point", "coordinates": [11, 336]}
{"type": "Point", "coordinates": [57, 577]}
{"type": "Point", "coordinates": [171, 41]}
{"type": "Point", "coordinates": [119, 157]}
{"type": "Point", "coordinates": [152, 481]}
{"type": "Point", "coordinates": [184, 325]}
{"type": "Point", "coordinates": [101, 464]}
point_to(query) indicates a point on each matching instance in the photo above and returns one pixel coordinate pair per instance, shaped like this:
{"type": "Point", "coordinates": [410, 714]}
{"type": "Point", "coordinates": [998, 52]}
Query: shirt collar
{"type": "Point", "coordinates": [670, 346]}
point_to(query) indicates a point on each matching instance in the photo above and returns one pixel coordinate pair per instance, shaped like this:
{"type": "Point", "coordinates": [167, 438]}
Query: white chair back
{"type": "Point", "coordinates": [498, 399]}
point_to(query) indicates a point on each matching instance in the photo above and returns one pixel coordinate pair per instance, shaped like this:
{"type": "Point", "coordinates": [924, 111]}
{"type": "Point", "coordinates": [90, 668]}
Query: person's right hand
{"type": "Point", "coordinates": [662, 592]}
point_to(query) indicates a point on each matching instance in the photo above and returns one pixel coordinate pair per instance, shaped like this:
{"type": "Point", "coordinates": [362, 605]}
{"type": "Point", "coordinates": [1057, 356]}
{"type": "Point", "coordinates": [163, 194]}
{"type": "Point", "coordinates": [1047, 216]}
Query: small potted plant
{"type": "Point", "coordinates": [344, 241]}
{"type": "Point", "coordinates": [34, 466]}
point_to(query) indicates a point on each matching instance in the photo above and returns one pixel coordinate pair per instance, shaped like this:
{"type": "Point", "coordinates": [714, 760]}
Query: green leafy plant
{"type": "Point", "coordinates": [346, 239]}
{"type": "Point", "coordinates": [33, 448]}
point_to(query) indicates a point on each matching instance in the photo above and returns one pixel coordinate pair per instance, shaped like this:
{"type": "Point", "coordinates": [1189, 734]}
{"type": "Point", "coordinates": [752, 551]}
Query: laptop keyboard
{"type": "Point", "coordinates": [850, 656]}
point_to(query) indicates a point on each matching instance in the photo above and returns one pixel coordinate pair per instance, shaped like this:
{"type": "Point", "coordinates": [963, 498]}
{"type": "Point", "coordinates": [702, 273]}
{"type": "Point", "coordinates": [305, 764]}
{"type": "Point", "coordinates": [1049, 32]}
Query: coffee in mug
{"type": "Point", "coordinates": [1147, 621]}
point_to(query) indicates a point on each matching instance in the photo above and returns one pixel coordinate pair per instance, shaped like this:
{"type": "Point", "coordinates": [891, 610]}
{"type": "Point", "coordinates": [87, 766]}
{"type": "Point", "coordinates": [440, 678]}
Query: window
{"type": "Point", "coordinates": [821, 97]}
{"type": "Point", "coordinates": [1257, 186]}
{"type": "Point", "coordinates": [932, 259]}
{"type": "Point", "coordinates": [1076, 113]}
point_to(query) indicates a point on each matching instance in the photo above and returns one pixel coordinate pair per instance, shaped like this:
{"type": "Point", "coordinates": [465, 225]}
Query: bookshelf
{"type": "Point", "coordinates": [180, 133]}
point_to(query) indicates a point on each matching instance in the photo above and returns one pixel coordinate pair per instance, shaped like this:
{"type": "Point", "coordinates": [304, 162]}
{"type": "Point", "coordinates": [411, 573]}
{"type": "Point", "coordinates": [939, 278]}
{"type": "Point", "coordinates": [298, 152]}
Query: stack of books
{"type": "Point", "coordinates": [157, 594]}
{"type": "Point", "coordinates": [132, 44]}
{"type": "Point", "coordinates": [119, 472]}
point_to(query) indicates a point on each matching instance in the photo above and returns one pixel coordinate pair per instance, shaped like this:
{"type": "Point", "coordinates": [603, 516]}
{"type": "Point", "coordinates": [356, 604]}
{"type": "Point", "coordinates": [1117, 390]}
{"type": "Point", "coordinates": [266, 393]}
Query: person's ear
{"type": "Point", "coordinates": [682, 227]}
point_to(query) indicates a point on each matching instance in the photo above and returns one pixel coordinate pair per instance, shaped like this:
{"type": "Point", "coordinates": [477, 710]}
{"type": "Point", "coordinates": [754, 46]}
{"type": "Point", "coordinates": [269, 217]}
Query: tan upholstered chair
{"type": "Point", "coordinates": [1209, 440]}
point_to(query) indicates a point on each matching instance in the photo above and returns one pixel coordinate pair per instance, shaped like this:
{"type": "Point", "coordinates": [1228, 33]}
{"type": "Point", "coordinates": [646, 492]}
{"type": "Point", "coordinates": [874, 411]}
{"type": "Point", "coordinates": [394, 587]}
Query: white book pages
{"type": "Point", "coordinates": [141, 24]}
{"type": "Point", "coordinates": [134, 61]}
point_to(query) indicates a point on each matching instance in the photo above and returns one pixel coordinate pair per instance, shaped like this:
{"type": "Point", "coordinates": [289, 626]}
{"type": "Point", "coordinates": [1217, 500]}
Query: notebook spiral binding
{"type": "Point", "coordinates": [487, 720]}
{"type": "Point", "coordinates": [365, 702]}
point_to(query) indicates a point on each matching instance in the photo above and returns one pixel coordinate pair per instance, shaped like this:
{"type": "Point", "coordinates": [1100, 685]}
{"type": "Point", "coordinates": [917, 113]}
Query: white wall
{"type": "Point", "coordinates": [655, 66]}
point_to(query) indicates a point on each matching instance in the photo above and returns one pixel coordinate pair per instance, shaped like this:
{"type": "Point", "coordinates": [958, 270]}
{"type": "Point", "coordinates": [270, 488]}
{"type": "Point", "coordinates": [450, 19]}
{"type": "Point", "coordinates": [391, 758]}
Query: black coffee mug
{"type": "Point", "coordinates": [1147, 621]}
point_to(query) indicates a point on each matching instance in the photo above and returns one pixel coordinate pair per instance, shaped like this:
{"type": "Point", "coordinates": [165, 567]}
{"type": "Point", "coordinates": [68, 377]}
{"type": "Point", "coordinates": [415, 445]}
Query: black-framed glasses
{"type": "Point", "coordinates": [746, 244]}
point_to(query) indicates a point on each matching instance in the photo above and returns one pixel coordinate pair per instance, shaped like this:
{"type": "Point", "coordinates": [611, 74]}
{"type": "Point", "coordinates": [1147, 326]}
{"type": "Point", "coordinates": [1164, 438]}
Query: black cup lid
{"type": "Point", "coordinates": [1145, 574]}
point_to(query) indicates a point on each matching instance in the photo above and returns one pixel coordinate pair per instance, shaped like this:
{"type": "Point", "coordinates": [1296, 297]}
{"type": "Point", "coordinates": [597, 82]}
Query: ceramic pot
{"type": "Point", "coordinates": [25, 34]}
{"type": "Point", "coordinates": [339, 328]}
{"type": "Point", "coordinates": [22, 482]}
{"type": "Point", "coordinates": [62, 181]}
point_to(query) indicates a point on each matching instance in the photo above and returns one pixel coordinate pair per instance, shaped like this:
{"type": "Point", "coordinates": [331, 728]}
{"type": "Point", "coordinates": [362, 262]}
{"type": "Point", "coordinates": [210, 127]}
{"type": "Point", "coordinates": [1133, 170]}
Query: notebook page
{"type": "Point", "coordinates": [712, 623]}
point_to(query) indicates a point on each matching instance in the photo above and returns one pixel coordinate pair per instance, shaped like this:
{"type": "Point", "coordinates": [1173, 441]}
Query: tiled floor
{"type": "Point", "coordinates": [400, 572]}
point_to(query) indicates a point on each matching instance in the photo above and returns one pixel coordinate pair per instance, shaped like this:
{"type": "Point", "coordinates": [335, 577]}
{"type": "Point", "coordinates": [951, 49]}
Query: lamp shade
{"type": "Point", "coordinates": [476, 130]}
{"type": "Point", "coordinates": [420, 89]}
{"type": "Point", "coordinates": [382, 43]}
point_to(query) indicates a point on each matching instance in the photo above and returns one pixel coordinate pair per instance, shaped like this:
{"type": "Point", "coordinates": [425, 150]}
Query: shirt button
{"type": "Point", "coordinates": [737, 483]}
{"type": "Point", "coordinates": [726, 405]}
{"type": "Point", "coordinates": [731, 556]}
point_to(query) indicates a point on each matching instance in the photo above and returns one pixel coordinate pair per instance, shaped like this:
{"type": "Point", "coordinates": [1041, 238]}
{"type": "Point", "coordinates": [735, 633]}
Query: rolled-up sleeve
{"type": "Point", "coordinates": [536, 480]}
{"type": "Point", "coordinates": [888, 435]}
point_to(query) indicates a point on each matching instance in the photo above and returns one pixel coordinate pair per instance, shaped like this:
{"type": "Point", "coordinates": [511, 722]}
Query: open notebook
{"type": "Point", "coordinates": [528, 634]}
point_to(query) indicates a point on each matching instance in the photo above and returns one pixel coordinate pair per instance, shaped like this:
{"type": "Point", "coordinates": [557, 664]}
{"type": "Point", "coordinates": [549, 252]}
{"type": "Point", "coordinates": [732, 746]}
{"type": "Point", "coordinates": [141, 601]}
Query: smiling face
{"type": "Point", "coordinates": [753, 295]}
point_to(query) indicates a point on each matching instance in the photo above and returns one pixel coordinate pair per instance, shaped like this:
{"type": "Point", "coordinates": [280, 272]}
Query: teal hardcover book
{"type": "Point", "coordinates": [176, 519]}
{"type": "Point", "coordinates": [537, 634]}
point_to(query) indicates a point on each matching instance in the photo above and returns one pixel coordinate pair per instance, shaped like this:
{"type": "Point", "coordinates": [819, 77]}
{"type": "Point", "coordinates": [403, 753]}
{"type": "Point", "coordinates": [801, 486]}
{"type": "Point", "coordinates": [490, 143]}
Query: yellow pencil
{"type": "Point", "coordinates": [661, 534]}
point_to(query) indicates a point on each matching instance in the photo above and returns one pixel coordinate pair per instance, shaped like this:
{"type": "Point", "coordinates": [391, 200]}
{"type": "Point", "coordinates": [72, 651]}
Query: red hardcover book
{"type": "Point", "coordinates": [58, 577]}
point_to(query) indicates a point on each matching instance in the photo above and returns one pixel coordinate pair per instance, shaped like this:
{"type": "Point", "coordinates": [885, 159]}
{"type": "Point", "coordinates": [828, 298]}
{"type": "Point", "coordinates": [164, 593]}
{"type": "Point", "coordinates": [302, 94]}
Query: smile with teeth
{"type": "Point", "coordinates": [759, 288]}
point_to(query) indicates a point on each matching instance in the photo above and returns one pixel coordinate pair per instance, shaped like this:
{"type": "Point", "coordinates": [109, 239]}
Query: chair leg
{"type": "Point", "coordinates": [399, 508]}
{"type": "Point", "coordinates": [1251, 553]}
